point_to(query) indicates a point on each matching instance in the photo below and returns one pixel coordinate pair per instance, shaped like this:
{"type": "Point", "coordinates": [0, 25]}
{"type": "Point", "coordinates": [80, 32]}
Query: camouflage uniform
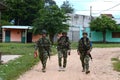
{"type": "Point", "coordinates": [43, 46]}
{"type": "Point", "coordinates": [83, 48]}
{"type": "Point", "coordinates": [63, 45]}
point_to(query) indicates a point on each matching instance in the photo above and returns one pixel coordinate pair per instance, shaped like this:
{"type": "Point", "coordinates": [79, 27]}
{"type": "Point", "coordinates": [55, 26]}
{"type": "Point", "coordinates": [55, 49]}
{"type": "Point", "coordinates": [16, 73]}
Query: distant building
{"type": "Point", "coordinates": [80, 23]}
{"type": "Point", "coordinates": [109, 15]}
{"type": "Point", "coordinates": [18, 34]}
{"type": "Point", "coordinates": [111, 36]}
{"type": "Point", "coordinates": [77, 23]}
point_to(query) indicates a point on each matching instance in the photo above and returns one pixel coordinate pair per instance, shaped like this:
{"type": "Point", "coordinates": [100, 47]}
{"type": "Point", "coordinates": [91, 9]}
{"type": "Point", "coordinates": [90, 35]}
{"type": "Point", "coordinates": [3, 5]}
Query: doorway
{"type": "Point", "coordinates": [7, 36]}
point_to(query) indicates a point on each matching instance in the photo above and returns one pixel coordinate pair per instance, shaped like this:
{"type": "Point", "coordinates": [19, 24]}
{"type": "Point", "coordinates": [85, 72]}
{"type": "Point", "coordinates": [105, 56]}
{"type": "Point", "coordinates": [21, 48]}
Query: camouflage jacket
{"type": "Point", "coordinates": [63, 43]}
{"type": "Point", "coordinates": [84, 45]}
{"type": "Point", "coordinates": [43, 44]}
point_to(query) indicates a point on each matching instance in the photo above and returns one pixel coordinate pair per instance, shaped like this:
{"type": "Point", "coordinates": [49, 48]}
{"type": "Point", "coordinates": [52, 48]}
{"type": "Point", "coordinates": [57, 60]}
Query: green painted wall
{"type": "Point", "coordinates": [109, 37]}
{"type": "Point", "coordinates": [96, 36]}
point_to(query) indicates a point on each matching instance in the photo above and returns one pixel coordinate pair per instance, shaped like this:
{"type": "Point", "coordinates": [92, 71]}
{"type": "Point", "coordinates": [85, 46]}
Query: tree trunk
{"type": "Point", "coordinates": [104, 36]}
{"type": "Point", "coordinates": [51, 36]}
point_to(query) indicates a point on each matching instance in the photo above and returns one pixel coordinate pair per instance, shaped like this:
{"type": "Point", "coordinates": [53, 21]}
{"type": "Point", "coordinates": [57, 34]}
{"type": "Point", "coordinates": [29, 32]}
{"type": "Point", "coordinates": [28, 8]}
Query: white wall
{"type": "Point", "coordinates": [76, 23]}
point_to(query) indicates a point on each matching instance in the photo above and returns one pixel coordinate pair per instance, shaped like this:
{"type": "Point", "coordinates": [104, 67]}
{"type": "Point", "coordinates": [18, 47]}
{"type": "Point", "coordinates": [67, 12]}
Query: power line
{"type": "Point", "coordinates": [96, 10]}
{"type": "Point", "coordinates": [110, 8]}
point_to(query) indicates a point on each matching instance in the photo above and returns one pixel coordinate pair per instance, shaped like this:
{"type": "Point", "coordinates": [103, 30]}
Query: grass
{"type": "Point", "coordinates": [19, 48]}
{"type": "Point", "coordinates": [13, 69]}
{"type": "Point", "coordinates": [106, 45]}
{"type": "Point", "coordinates": [98, 45]}
{"type": "Point", "coordinates": [116, 64]}
{"type": "Point", "coordinates": [114, 59]}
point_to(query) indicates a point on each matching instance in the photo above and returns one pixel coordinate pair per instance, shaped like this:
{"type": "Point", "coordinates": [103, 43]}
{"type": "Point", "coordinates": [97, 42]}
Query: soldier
{"type": "Point", "coordinates": [43, 47]}
{"type": "Point", "coordinates": [84, 48]}
{"type": "Point", "coordinates": [63, 47]}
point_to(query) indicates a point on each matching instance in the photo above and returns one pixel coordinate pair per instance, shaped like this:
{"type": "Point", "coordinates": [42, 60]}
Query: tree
{"type": "Point", "coordinates": [23, 12]}
{"type": "Point", "coordinates": [66, 7]}
{"type": "Point", "coordinates": [103, 24]}
{"type": "Point", "coordinates": [50, 2]}
{"type": "Point", "coordinates": [3, 22]}
{"type": "Point", "coordinates": [51, 19]}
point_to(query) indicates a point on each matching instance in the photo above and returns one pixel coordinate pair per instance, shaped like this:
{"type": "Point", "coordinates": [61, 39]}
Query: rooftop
{"type": "Point", "coordinates": [17, 27]}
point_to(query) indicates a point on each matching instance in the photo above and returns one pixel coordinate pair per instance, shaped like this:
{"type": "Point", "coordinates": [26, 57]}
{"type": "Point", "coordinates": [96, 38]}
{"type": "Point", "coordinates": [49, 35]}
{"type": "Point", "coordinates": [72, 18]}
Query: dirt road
{"type": "Point", "coordinates": [101, 67]}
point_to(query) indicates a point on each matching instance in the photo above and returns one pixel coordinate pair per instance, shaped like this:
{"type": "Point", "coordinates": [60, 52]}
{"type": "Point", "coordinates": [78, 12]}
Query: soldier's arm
{"type": "Point", "coordinates": [78, 49]}
{"type": "Point", "coordinates": [90, 44]}
{"type": "Point", "coordinates": [36, 45]}
{"type": "Point", "coordinates": [90, 47]}
{"type": "Point", "coordinates": [49, 45]}
{"type": "Point", "coordinates": [69, 44]}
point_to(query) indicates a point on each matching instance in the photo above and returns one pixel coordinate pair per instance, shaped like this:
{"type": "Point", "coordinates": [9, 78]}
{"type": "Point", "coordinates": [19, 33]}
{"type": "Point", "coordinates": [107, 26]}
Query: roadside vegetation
{"type": "Point", "coordinates": [98, 45]}
{"type": "Point", "coordinates": [14, 68]}
{"type": "Point", "coordinates": [116, 64]}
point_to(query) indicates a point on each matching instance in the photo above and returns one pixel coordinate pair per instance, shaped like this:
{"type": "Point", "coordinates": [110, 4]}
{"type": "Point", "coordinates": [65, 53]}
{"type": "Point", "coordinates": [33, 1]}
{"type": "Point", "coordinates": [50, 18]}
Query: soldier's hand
{"type": "Point", "coordinates": [35, 54]}
{"type": "Point", "coordinates": [78, 52]}
{"type": "Point", "coordinates": [68, 52]}
{"type": "Point", "coordinates": [88, 52]}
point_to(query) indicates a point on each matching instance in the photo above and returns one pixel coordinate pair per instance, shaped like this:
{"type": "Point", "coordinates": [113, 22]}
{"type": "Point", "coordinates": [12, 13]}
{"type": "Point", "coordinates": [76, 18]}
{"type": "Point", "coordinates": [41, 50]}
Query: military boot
{"type": "Point", "coordinates": [43, 70]}
{"type": "Point", "coordinates": [87, 72]}
{"type": "Point", "coordinates": [83, 70]}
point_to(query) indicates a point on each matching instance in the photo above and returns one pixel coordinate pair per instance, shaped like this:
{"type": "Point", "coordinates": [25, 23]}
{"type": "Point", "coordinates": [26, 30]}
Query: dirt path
{"type": "Point", "coordinates": [101, 67]}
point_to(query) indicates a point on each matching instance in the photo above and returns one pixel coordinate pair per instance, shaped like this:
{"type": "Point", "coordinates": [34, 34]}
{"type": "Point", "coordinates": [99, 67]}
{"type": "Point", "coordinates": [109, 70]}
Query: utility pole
{"type": "Point", "coordinates": [83, 23]}
{"type": "Point", "coordinates": [90, 19]}
{"type": "Point", "coordinates": [90, 13]}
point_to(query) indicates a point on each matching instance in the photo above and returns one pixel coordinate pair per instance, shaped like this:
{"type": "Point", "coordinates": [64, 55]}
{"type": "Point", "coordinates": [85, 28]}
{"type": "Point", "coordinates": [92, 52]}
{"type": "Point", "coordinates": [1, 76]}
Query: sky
{"type": "Point", "coordinates": [98, 7]}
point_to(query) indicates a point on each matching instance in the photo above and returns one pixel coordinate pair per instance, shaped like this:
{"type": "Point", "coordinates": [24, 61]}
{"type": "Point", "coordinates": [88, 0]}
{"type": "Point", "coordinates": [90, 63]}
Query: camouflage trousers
{"type": "Point", "coordinates": [85, 62]}
{"type": "Point", "coordinates": [43, 57]}
{"type": "Point", "coordinates": [62, 54]}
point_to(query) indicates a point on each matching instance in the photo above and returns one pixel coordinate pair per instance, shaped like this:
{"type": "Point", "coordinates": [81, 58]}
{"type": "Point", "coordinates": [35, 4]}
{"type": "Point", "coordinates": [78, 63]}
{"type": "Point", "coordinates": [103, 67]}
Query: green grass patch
{"type": "Point", "coordinates": [16, 48]}
{"type": "Point", "coordinates": [13, 69]}
{"type": "Point", "coordinates": [114, 59]}
{"type": "Point", "coordinates": [106, 45]}
{"type": "Point", "coordinates": [116, 64]}
{"type": "Point", "coordinates": [74, 45]}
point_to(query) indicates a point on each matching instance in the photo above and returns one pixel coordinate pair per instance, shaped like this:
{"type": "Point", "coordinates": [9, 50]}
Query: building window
{"type": "Point", "coordinates": [115, 34]}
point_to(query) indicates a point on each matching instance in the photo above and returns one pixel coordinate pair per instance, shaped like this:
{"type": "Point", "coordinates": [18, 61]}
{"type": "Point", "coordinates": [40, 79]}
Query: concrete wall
{"type": "Point", "coordinates": [16, 35]}
{"type": "Point", "coordinates": [35, 38]}
{"type": "Point", "coordinates": [74, 34]}
{"type": "Point", "coordinates": [109, 37]}
{"type": "Point", "coordinates": [97, 36]}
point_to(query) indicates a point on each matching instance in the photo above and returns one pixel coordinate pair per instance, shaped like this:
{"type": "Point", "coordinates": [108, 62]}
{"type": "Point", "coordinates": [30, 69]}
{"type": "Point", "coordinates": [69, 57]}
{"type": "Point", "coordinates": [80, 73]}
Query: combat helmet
{"type": "Point", "coordinates": [64, 32]}
{"type": "Point", "coordinates": [44, 31]}
{"type": "Point", "coordinates": [84, 33]}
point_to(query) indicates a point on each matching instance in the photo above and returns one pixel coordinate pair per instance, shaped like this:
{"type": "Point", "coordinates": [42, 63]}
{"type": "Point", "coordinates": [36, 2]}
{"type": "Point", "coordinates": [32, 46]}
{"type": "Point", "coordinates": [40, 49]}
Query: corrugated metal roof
{"type": "Point", "coordinates": [17, 27]}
